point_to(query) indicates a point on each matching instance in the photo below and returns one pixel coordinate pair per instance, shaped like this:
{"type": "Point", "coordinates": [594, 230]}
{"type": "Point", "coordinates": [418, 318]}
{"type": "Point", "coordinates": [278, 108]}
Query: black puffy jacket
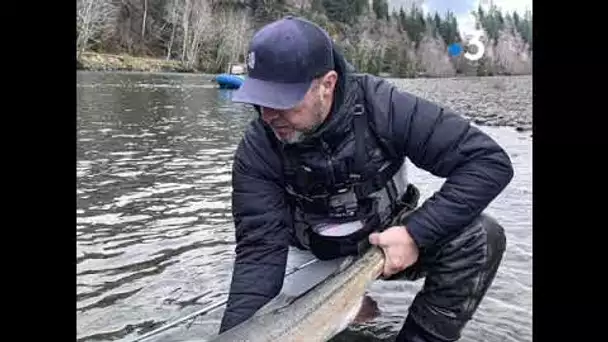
{"type": "Point", "coordinates": [433, 138]}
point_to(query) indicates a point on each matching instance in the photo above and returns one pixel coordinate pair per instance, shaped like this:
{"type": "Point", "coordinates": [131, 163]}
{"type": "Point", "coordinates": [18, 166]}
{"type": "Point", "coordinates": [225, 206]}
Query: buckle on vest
{"type": "Point", "coordinates": [343, 204]}
{"type": "Point", "coordinates": [354, 177]}
{"type": "Point", "coordinates": [358, 109]}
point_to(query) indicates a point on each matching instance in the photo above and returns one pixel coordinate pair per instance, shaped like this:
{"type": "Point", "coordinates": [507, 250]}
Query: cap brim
{"type": "Point", "coordinates": [271, 94]}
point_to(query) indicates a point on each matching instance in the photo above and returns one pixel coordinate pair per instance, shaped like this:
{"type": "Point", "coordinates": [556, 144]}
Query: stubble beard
{"type": "Point", "coordinates": [300, 135]}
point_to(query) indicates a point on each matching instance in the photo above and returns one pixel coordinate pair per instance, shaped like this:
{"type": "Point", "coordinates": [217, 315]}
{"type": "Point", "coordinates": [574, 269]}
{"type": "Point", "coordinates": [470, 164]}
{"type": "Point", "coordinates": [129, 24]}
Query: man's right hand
{"type": "Point", "coordinates": [400, 250]}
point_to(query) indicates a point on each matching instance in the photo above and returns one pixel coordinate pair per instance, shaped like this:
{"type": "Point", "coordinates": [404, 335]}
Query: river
{"type": "Point", "coordinates": [154, 232]}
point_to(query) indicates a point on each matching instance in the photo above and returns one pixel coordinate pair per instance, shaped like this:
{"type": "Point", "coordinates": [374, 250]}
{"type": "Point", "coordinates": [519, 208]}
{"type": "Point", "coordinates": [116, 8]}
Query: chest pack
{"type": "Point", "coordinates": [337, 206]}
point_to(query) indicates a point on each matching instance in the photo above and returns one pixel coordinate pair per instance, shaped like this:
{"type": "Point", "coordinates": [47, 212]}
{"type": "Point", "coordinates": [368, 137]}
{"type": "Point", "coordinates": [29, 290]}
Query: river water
{"type": "Point", "coordinates": [154, 231]}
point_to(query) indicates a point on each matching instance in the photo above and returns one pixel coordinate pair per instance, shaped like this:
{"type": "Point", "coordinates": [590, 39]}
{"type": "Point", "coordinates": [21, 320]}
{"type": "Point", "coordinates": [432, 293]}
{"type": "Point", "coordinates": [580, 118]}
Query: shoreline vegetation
{"type": "Point", "coordinates": [92, 61]}
{"type": "Point", "coordinates": [206, 36]}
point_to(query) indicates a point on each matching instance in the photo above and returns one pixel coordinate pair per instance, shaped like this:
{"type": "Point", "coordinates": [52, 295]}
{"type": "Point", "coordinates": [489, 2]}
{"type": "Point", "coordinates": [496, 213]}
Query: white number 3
{"type": "Point", "coordinates": [478, 44]}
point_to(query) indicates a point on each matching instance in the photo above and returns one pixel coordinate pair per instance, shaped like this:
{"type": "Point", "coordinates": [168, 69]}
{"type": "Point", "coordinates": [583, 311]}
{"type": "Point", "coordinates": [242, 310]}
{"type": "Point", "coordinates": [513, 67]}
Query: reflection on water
{"type": "Point", "coordinates": [154, 231]}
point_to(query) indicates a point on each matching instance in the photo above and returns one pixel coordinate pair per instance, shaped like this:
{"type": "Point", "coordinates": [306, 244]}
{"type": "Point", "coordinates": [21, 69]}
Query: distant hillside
{"type": "Point", "coordinates": [207, 35]}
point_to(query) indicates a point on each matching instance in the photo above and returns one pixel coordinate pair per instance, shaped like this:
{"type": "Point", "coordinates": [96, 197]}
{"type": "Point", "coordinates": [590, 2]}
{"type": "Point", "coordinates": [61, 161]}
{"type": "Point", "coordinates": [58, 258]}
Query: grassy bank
{"type": "Point", "coordinates": [106, 62]}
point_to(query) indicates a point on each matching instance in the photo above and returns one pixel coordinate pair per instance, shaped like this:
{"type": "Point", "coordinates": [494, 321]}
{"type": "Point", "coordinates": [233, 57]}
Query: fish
{"type": "Point", "coordinates": [319, 313]}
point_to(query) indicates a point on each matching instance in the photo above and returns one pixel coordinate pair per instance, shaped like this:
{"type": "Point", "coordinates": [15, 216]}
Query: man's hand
{"type": "Point", "coordinates": [399, 248]}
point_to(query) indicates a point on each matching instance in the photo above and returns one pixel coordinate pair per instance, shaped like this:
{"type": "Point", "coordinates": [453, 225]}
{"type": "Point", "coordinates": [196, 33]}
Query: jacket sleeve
{"type": "Point", "coordinates": [261, 222]}
{"type": "Point", "coordinates": [476, 169]}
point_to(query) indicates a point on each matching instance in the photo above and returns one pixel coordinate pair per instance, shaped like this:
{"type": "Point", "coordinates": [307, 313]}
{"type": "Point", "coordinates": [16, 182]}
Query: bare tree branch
{"type": "Point", "coordinates": [143, 21]}
{"type": "Point", "coordinates": [92, 18]}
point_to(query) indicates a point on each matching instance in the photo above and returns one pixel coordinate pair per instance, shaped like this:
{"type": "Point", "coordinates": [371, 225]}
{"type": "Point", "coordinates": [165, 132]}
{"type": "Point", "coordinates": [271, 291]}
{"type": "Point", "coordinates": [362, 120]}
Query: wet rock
{"type": "Point", "coordinates": [490, 101]}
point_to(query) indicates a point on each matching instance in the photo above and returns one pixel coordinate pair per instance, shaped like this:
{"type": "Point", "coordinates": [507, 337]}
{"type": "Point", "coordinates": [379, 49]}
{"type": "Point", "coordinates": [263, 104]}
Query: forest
{"type": "Point", "coordinates": [209, 35]}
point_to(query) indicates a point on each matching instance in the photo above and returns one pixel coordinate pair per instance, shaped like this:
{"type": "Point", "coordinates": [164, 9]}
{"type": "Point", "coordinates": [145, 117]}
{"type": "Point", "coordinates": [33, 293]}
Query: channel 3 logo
{"type": "Point", "coordinates": [455, 49]}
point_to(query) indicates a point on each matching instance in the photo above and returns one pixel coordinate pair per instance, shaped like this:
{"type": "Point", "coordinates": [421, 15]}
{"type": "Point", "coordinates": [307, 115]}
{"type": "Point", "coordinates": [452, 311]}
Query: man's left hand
{"type": "Point", "coordinates": [399, 248]}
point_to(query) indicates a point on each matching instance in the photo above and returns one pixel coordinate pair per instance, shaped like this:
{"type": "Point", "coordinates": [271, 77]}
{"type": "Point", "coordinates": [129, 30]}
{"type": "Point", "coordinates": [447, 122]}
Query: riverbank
{"type": "Point", "coordinates": [485, 100]}
{"type": "Point", "coordinates": [92, 61]}
{"type": "Point", "coordinates": [500, 101]}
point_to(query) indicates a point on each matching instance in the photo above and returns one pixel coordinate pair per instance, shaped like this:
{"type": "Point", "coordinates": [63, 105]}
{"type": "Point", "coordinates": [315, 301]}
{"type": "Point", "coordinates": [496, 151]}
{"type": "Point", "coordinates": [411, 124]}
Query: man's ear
{"type": "Point", "coordinates": [329, 81]}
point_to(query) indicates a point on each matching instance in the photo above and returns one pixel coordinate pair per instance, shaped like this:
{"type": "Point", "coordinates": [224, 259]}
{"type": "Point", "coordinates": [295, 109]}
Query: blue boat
{"type": "Point", "coordinates": [229, 81]}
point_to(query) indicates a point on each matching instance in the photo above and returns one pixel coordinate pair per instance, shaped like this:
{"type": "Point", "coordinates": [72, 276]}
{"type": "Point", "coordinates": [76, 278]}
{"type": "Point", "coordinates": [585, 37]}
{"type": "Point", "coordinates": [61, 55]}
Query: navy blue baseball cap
{"type": "Point", "coordinates": [283, 59]}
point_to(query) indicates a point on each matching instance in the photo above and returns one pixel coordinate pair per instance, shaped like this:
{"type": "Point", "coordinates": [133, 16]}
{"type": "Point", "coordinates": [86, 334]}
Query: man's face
{"type": "Point", "coordinates": [290, 125]}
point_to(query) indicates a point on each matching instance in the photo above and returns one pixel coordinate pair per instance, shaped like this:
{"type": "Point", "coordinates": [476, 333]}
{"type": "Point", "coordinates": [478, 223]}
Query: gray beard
{"type": "Point", "coordinates": [298, 136]}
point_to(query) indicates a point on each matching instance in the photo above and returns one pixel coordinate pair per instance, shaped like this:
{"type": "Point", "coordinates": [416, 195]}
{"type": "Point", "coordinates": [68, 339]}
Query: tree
{"type": "Point", "coordinates": [380, 9]}
{"type": "Point", "coordinates": [92, 18]}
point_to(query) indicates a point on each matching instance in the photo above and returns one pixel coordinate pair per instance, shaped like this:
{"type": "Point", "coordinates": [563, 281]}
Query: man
{"type": "Point", "coordinates": [327, 155]}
